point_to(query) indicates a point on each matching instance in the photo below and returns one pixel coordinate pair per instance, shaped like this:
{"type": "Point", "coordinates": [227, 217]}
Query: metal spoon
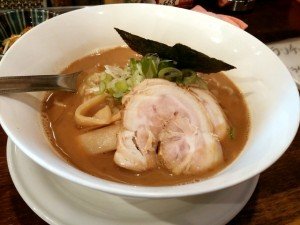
{"type": "Point", "coordinates": [14, 84]}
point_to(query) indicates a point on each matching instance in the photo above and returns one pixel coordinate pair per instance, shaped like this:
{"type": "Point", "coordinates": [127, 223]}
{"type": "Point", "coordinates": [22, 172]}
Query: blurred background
{"type": "Point", "coordinates": [268, 20]}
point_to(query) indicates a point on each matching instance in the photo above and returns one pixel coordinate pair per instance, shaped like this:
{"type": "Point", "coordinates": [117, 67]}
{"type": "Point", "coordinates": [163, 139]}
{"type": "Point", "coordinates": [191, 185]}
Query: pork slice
{"type": "Point", "coordinates": [186, 149]}
{"type": "Point", "coordinates": [130, 156]}
{"type": "Point", "coordinates": [159, 112]}
{"type": "Point", "coordinates": [214, 111]}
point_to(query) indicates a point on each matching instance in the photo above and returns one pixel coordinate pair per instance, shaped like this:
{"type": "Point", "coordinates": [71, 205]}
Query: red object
{"type": "Point", "coordinates": [230, 19]}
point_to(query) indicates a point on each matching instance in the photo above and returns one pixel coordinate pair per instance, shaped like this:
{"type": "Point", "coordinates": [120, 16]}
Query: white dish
{"type": "Point", "coordinates": [270, 91]}
{"type": "Point", "coordinates": [58, 201]}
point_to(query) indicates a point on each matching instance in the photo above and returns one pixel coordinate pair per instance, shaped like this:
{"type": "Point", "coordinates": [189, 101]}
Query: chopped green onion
{"type": "Point", "coordinates": [105, 77]}
{"type": "Point", "coordinates": [102, 88]}
{"type": "Point", "coordinates": [129, 83]}
{"type": "Point", "coordinates": [195, 79]}
{"type": "Point", "coordinates": [133, 65]}
{"type": "Point", "coordinates": [117, 81]}
{"type": "Point", "coordinates": [170, 73]}
{"type": "Point", "coordinates": [166, 63]}
{"type": "Point", "coordinates": [201, 83]}
{"type": "Point", "coordinates": [188, 73]}
{"type": "Point", "coordinates": [149, 65]}
{"type": "Point", "coordinates": [135, 80]}
{"type": "Point", "coordinates": [189, 80]}
{"type": "Point", "coordinates": [118, 94]}
{"type": "Point", "coordinates": [121, 86]}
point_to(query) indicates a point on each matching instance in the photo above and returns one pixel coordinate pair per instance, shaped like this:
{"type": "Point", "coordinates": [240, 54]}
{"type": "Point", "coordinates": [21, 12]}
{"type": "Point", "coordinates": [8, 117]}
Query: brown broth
{"type": "Point", "coordinates": [62, 131]}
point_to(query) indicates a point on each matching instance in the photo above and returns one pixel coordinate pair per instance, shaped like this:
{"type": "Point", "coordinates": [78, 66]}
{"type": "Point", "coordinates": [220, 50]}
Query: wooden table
{"type": "Point", "coordinates": [276, 200]}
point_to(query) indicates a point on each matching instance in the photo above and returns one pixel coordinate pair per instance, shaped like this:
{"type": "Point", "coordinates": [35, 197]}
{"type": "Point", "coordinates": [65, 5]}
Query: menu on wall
{"type": "Point", "coordinates": [289, 53]}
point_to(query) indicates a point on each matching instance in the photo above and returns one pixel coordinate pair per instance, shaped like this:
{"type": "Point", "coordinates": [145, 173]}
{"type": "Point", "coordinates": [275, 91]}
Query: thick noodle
{"type": "Point", "coordinates": [102, 117]}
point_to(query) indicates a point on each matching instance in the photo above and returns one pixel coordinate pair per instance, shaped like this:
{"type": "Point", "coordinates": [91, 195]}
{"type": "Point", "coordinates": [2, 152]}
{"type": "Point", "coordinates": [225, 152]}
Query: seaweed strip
{"type": "Point", "coordinates": [185, 56]}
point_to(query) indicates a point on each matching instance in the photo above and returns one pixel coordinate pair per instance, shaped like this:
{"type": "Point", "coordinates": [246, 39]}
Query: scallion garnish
{"type": "Point", "coordinates": [118, 82]}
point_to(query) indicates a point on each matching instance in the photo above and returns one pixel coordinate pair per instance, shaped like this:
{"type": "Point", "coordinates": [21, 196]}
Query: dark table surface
{"type": "Point", "coordinates": [276, 200]}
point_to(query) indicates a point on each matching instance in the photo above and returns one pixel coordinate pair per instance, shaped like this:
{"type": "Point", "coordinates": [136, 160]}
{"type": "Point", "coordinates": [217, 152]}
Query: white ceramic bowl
{"type": "Point", "coordinates": [270, 91]}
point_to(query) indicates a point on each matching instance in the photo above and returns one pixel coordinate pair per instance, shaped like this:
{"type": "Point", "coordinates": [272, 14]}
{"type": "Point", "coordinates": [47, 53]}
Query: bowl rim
{"type": "Point", "coordinates": [146, 191]}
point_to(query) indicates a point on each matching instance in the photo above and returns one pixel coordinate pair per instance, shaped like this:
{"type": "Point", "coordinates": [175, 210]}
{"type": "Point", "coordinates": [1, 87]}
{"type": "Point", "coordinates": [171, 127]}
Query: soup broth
{"type": "Point", "coordinates": [58, 120]}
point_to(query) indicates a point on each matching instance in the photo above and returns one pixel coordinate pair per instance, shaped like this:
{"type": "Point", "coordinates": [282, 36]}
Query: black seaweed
{"type": "Point", "coordinates": [185, 56]}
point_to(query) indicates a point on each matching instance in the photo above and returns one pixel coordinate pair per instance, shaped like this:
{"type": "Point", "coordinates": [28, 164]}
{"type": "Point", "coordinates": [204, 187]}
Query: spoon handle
{"type": "Point", "coordinates": [14, 84]}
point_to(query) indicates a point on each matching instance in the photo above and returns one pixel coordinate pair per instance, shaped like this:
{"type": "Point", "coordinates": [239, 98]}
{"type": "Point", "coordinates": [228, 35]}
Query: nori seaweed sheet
{"type": "Point", "coordinates": [186, 57]}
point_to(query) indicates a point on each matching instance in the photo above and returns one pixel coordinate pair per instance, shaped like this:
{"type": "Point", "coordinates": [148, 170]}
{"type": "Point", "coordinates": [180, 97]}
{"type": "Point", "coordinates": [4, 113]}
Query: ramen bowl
{"type": "Point", "coordinates": [269, 90]}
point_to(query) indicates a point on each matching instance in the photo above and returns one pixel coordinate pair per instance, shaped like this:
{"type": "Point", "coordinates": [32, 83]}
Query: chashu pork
{"type": "Point", "coordinates": [167, 124]}
{"type": "Point", "coordinates": [214, 111]}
